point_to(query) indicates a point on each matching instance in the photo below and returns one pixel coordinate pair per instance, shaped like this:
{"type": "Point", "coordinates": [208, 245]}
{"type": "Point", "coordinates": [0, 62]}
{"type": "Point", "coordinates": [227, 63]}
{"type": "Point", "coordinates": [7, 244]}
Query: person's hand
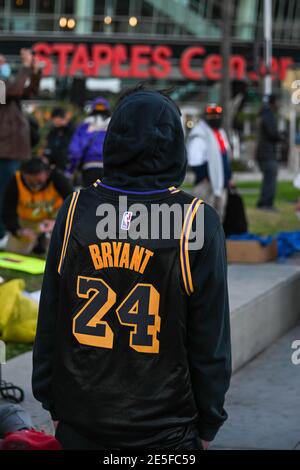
{"type": "Point", "coordinates": [27, 234]}
{"type": "Point", "coordinates": [27, 58]}
{"type": "Point", "coordinates": [205, 444]}
{"type": "Point", "coordinates": [231, 184]}
{"type": "Point", "coordinates": [47, 226]}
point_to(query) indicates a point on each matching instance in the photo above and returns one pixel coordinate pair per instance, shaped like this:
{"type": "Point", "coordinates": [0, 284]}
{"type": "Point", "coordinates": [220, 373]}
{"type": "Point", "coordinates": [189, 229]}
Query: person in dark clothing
{"type": "Point", "coordinates": [31, 202]}
{"type": "Point", "coordinates": [133, 339]}
{"type": "Point", "coordinates": [266, 153]}
{"type": "Point", "coordinates": [58, 139]}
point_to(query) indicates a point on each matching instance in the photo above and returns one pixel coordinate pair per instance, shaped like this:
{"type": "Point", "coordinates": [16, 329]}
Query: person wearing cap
{"type": "Point", "coordinates": [86, 147]}
{"type": "Point", "coordinates": [208, 152]}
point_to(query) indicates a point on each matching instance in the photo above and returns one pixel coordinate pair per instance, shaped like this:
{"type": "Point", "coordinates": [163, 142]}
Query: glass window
{"type": "Point", "coordinates": [68, 7]}
{"type": "Point", "coordinates": [45, 6]}
{"type": "Point", "coordinates": [147, 10]}
{"type": "Point", "coordinates": [122, 8]}
{"type": "Point", "coordinates": [99, 7]}
{"type": "Point", "coordinates": [20, 5]}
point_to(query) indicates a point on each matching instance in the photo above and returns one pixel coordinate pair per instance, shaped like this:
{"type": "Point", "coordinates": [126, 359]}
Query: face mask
{"type": "Point", "coordinates": [5, 71]}
{"type": "Point", "coordinates": [214, 123]}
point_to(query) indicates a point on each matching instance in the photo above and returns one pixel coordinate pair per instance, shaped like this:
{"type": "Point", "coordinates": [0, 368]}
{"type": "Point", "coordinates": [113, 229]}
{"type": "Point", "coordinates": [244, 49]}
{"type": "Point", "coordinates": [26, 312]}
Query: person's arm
{"type": "Point", "coordinates": [197, 151]}
{"type": "Point", "coordinates": [43, 350]}
{"type": "Point", "coordinates": [76, 149]}
{"type": "Point", "coordinates": [35, 78]}
{"type": "Point", "coordinates": [16, 87]}
{"type": "Point", "coordinates": [61, 183]}
{"type": "Point", "coordinates": [10, 204]}
{"type": "Point", "coordinates": [208, 342]}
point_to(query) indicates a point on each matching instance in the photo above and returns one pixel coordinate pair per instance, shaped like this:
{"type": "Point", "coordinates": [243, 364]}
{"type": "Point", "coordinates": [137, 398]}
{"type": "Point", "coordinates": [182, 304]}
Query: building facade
{"type": "Point", "coordinates": [170, 41]}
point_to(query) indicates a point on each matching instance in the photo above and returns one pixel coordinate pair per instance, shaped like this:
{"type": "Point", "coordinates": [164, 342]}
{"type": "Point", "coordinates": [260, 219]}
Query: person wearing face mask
{"type": "Point", "coordinates": [32, 200]}
{"type": "Point", "coordinates": [208, 152]}
{"type": "Point", "coordinates": [15, 138]}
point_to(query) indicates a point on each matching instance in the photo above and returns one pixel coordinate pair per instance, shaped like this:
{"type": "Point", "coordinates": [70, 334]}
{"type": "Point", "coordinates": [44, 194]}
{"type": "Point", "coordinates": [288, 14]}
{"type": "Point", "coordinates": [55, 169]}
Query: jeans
{"type": "Point", "coordinates": [7, 170]}
{"type": "Point", "coordinates": [13, 418]}
{"type": "Point", "coordinates": [268, 188]}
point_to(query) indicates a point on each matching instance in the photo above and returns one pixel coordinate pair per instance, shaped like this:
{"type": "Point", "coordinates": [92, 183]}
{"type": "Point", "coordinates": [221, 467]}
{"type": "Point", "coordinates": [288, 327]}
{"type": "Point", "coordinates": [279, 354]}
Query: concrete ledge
{"type": "Point", "coordinates": [265, 304]}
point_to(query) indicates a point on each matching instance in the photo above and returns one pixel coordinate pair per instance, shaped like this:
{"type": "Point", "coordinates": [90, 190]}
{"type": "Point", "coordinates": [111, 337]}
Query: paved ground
{"type": "Point", "coordinates": [263, 402]}
{"type": "Point", "coordinates": [18, 371]}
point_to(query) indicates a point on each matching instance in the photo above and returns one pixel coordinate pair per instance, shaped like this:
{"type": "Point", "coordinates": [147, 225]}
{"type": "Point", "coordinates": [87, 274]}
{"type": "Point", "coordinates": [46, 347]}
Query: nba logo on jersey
{"type": "Point", "coordinates": [126, 219]}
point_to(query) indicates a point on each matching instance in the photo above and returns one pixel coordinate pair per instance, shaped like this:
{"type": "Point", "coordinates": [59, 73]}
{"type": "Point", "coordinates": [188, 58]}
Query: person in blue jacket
{"type": "Point", "coordinates": [86, 146]}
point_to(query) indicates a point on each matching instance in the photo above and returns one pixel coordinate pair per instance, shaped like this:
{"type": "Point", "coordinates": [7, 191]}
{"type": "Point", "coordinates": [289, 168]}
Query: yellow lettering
{"type": "Point", "coordinates": [106, 255]}
{"type": "Point", "coordinates": [124, 261]}
{"type": "Point", "coordinates": [117, 246]}
{"type": "Point", "coordinates": [146, 259]}
{"type": "Point", "coordinates": [96, 258]}
{"type": "Point", "coordinates": [137, 258]}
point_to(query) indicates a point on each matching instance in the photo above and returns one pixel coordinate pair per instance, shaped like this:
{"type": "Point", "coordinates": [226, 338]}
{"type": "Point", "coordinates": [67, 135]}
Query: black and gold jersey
{"type": "Point", "coordinates": [135, 352]}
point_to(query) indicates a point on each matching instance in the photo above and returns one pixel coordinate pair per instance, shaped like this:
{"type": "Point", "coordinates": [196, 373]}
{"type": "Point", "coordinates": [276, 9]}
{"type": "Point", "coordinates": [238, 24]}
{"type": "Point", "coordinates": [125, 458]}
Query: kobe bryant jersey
{"type": "Point", "coordinates": [126, 275]}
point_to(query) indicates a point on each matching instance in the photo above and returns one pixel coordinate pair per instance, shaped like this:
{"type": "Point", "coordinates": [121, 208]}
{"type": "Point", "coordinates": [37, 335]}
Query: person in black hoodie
{"type": "Point", "coordinates": [133, 340]}
{"type": "Point", "coordinates": [58, 139]}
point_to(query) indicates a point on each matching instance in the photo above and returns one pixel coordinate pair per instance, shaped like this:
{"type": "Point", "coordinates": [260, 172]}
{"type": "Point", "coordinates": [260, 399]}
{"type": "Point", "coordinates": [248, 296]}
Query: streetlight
{"type": "Point", "coordinates": [108, 20]}
{"type": "Point", "coordinates": [133, 21]}
{"type": "Point", "coordinates": [63, 22]}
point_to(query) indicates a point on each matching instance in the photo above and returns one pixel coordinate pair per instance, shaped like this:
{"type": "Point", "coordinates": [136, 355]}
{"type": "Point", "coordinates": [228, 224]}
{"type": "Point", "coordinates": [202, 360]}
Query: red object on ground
{"type": "Point", "coordinates": [29, 439]}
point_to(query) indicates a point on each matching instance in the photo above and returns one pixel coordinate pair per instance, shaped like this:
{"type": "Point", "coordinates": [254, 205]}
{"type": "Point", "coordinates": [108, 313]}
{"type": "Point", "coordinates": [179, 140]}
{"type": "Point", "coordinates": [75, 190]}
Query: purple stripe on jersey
{"type": "Point", "coordinates": [157, 191]}
{"type": "Point", "coordinates": [183, 243]}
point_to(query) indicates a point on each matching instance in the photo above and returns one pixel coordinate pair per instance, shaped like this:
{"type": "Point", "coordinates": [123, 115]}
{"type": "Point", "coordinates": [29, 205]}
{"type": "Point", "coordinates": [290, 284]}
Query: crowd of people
{"type": "Point", "coordinates": [177, 400]}
{"type": "Point", "coordinates": [32, 190]}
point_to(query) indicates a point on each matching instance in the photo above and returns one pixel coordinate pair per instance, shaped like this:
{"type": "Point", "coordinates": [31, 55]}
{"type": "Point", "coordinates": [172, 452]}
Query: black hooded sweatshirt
{"type": "Point", "coordinates": [133, 337]}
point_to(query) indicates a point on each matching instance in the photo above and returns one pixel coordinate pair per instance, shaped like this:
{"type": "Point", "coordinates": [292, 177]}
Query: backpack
{"type": "Point", "coordinates": [235, 222]}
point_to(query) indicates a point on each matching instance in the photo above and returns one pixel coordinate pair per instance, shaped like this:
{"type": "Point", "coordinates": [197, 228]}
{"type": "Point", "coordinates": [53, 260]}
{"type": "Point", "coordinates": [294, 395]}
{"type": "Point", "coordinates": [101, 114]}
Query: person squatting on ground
{"type": "Point", "coordinates": [86, 147]}
{"type": "Point", "coordinates": [133, 341]}
{"type": "Point", "coordinates": [32, 200]}
{"type": "Point", "coordinates": [208, 155]}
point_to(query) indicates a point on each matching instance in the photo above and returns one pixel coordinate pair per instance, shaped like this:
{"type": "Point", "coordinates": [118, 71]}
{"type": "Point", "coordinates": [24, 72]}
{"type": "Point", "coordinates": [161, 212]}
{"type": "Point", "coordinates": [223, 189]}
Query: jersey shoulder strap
{"type": "Point", "coordinates": [184, 245]}
{"type": "Point", "coordinates": [68, 228]}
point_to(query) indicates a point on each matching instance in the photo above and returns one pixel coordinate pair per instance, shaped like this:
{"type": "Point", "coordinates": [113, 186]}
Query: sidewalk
{"type": "Point", "coordinates": [263, 401]}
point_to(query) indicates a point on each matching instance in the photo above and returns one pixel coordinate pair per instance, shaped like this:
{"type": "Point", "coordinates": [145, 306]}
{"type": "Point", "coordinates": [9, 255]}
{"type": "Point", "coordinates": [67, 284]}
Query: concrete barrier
{"type": "Point", "coordinates": [264, 303]}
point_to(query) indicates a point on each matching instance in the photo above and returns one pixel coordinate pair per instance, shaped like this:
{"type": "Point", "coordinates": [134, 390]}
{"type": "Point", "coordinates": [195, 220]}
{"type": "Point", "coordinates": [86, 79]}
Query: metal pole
{"type": "Point", "coordinates": [226, 52]}
{"type": "Point", "coordinates": [268, 46]}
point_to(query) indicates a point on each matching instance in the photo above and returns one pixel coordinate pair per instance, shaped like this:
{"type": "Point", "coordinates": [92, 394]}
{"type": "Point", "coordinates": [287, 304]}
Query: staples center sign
{"type": "Point", "coordinates": [145, 61]}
